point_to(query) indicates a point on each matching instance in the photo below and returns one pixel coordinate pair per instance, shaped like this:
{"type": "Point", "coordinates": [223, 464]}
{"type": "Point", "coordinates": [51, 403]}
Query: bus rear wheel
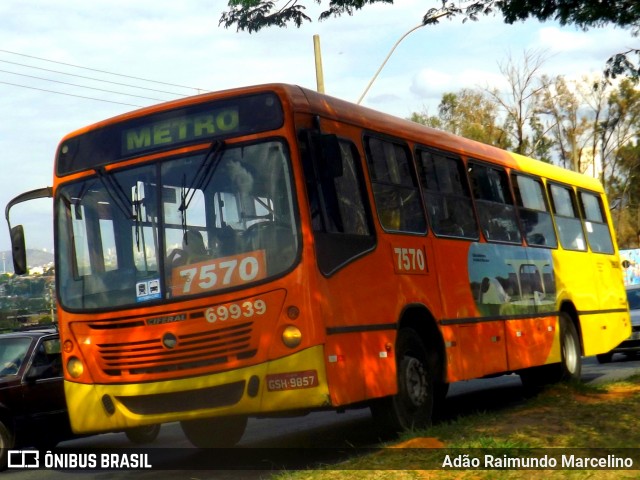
{"type": "Point", "coordinates": [571, 364]}
{"type": "Point", "coordinates": [412, 407]}
{"type": "Point", "coordinates": [216, 432]}
{"type": "Point", "coordinates": [570, 367]}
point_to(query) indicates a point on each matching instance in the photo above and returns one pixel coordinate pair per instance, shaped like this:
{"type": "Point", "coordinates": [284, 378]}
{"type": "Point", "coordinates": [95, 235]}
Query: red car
{"type": "Point", "coordinates": [33, 410]}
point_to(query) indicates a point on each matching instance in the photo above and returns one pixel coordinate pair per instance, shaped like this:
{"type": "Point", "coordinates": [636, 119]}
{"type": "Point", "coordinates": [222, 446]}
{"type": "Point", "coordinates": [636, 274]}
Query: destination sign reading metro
{"type": "Point", "coordinates": [180, 129]}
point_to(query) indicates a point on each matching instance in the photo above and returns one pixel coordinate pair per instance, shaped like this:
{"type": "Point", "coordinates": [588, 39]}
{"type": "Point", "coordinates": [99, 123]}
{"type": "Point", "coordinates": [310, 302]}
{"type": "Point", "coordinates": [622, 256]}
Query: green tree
{"type": "Point", "coordinates": [521, 102]}
{"type": "Point", "coordinates": [627, 211]}
{"type": "Point", "coordinates": [568, 124]}
{"type": "Point", "coordinates": [619, 126]}
{"type": "Point", "coordinates": [470, 114]}
{"type": "Point", "coordinates": [253, 15]}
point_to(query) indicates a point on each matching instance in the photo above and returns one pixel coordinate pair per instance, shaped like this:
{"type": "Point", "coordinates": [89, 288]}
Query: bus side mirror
{"type": "Point", "coordinates": [18, 250]}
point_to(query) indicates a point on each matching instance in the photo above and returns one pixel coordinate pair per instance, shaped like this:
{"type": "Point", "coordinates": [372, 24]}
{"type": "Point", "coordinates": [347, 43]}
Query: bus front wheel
{"type": "Point", "coordinates": [144, 434]}
{"type": "Point", "coordinates": [216, 432]}
{"type": "Point", "coordinates": [412, 406]}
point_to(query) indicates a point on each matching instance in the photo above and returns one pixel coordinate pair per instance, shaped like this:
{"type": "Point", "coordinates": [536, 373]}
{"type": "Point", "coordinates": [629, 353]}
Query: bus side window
{"type": "Point", "coordinates": [395, 188]}
{"type": "Point", "coordinates": [338, 206]}
{"type": "Point", "coordinates": [567, 218]}
{"type": "Point", "coordinates": [595, 224]}
{"type": "Point", "coordinates": [534, 211]}
{"type": "Point", "coordinates": [447, 195]}
{"type": "Point", "coordinates": [494, 203]}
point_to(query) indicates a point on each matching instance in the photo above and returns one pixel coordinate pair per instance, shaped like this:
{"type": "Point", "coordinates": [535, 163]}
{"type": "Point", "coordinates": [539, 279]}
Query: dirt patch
{"type": "Point", "coordinates": [420, 442]}
{"type": "Point", "coordinates": [615, 392]}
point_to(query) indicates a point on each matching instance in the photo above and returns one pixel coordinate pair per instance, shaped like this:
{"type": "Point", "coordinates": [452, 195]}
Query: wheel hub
{"type": "Point", "coordinates": [416, 382]}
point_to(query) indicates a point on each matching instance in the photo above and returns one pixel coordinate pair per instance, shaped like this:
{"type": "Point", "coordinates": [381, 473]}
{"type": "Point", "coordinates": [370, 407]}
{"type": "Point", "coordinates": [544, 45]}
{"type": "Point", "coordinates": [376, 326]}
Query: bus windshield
{"type": "Point", "coordinates": [185, 226]}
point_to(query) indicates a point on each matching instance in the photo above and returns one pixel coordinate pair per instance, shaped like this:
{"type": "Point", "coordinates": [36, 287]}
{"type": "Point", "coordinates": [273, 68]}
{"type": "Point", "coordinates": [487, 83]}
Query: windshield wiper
{"type": "Point", "coordinates": [129, 208]}
{"type": "Point", "coordinates": [116, 192]}
{"type": "Point", "coordinates": [204, 173]}
{"type": "Point", "coordinates": [201, 178]}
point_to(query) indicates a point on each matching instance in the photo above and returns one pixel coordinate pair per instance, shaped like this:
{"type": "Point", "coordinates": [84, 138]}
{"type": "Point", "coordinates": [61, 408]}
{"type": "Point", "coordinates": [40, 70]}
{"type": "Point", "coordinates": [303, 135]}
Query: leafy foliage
{"type": "Point", "coordinates": [254, 15]}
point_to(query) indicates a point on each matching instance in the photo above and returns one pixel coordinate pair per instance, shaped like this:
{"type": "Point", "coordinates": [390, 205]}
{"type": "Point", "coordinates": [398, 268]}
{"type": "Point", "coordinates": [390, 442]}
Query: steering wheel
{"type": "Point", "coordinates": [176, 253]}
{"type": "Point", "coordinates": [9, 368]}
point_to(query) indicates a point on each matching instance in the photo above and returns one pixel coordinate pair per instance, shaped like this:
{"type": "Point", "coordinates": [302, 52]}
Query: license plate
{"type": "Point", "coordinates": [292, 380]}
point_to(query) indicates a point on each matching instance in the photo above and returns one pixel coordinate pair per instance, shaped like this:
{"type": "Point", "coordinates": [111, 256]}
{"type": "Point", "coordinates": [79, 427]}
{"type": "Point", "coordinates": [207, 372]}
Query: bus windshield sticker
{"type": "Point", "coordinates": [218, 273]}
{"type": "Point", "coordinates": [148, 290]}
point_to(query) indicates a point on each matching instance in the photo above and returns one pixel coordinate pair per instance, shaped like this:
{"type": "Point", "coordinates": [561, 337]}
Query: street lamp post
{"type": "Point", "coordinates": [435, 16]}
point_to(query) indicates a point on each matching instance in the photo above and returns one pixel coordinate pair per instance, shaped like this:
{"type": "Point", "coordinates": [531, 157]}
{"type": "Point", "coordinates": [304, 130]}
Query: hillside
{"type": "Point", "coordinates": [35, 258]}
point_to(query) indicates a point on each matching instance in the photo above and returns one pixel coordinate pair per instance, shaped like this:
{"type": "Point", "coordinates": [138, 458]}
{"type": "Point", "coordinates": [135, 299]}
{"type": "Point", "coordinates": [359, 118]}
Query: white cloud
{"type": "Point", "coordinates": [558, 40]}
{"type": "Point", "coordinates": [181, 43]}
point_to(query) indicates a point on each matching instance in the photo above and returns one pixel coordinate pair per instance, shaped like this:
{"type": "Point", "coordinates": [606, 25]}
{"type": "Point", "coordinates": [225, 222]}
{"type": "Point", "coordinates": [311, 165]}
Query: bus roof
{"type": "Point", "coordinates": [309, 101]}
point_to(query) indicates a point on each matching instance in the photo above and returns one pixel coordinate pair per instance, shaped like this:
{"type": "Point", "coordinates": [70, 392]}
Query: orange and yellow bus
{"type": "Point", "coordinates": [270, 249]}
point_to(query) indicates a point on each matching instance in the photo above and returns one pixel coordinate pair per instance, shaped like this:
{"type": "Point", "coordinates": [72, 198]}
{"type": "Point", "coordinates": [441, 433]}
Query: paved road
{"type": "Point", "coordinates": [323, 430]}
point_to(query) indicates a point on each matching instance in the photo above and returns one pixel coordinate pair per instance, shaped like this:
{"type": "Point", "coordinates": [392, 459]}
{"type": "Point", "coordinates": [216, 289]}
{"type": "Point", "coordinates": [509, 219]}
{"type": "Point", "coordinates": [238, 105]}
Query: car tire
{"type": "Point", "coordinates": [216, 432]}
{"type": "Point", "coordinates": [144, 434]}
{"type": "Point", "coordinates": [6, 443]}
{"type": "Point", "coordinates": [604, 357]}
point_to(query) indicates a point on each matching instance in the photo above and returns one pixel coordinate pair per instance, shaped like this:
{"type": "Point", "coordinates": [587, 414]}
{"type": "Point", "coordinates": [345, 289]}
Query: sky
{"type": "Point", "coordinates": [58, 60]}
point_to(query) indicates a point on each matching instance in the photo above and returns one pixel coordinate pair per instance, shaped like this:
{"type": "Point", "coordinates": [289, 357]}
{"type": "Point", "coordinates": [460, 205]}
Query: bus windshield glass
{"type": "Point", "coordinates": [186, 226]}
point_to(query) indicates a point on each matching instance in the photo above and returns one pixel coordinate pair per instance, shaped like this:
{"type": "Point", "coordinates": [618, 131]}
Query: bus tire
{"type": "Point", "coordinates": [144, 434]}
{"type": "Point", "coordinates": [571, 355]}
{"type": "Point", "coordinates": [6, 444]}
{"type": "Point", "coordinates": [568, 370]}
{"type": "Point", "coordinates": [412, 407]}
{"type": "Point", "coordinates": [216, 432]}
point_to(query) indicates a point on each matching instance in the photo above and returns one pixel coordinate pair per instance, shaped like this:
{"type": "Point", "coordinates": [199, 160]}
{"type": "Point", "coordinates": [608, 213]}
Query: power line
{"type": "Point", "coordinates": [93, 78]}
{"type": "Point", "coordinates": [102, 71]}
{"type": "Point", "coordinates": [82, 86]}
{"type": "Point", "coordinates": [70, 94]}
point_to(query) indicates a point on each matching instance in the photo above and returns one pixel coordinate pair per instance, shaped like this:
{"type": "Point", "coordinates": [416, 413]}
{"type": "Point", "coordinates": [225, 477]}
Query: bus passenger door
{"type": "Point", "coordinates": [347, 293]}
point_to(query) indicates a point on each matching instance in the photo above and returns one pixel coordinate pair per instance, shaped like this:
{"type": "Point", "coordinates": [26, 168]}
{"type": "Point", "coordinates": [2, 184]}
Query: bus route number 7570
{"type": "Point", "coordinates": [410, 260]}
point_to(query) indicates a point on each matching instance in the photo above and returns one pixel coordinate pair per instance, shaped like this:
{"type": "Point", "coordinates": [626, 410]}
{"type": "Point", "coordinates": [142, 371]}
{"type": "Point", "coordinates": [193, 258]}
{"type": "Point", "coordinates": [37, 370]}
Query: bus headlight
{"type": "Point", "coordinates": [292, 336]}
{"type": "Point", "coordinates": [75, 367]}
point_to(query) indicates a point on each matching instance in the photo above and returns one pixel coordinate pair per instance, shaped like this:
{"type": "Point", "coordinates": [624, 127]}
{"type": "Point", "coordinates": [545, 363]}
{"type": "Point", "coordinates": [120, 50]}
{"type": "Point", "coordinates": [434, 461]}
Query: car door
{"type": "Point", "coordinates": [45, 419]}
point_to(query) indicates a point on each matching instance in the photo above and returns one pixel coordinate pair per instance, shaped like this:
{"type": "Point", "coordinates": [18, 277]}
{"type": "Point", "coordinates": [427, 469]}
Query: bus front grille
{"type": "Point", "coordinates": [166, 352]}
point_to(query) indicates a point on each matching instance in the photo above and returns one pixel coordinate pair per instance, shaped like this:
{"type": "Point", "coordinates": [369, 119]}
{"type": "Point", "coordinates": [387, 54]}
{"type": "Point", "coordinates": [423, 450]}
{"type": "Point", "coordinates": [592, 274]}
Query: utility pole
{"type": "Point", "coordinates": [318, 57]}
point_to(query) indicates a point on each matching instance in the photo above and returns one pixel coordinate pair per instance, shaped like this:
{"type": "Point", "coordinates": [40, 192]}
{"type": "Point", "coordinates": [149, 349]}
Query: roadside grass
{"type": "Point", "coordinates": [575, 418]}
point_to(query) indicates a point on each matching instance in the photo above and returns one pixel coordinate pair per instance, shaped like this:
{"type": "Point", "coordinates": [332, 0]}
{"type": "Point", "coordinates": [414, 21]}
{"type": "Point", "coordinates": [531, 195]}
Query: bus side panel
{"type": "Point", "coordinates": [609, 329]}
{"type": "Point", "coordinates": [378, 365]}
{"type": "Point", "coordinates": [343, 362]}
{"type": "Point", "coordinates": [360, 366]}
{"type": "Point", "coordinates": [483, 348]}
{"type": "Point", "coordinates": [457, 303]}
{"type": "Point", "coordinates": [578, 275]}
{"type": "Point", "coordinates": [530, 342]}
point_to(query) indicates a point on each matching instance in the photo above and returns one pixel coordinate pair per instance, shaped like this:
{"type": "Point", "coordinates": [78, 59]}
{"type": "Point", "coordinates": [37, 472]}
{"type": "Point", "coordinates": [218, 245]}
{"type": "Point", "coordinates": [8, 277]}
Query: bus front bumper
{"type": "Point", "coordinates": [296, 382]}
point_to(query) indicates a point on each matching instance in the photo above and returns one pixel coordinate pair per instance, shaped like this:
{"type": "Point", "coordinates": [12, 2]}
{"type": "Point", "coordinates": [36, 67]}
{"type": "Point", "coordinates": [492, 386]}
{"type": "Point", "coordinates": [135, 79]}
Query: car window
{"type": "Point", "coordinates": [47, 361]}
{"type": "Point", "coordinates": [633, 297]}
{"type": "Point", "coordinates": [12, 354]}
